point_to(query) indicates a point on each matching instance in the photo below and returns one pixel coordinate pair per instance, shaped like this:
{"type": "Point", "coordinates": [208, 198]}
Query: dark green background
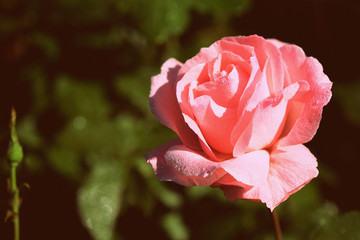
{"type": "Point", "coordinates": [78, 74]}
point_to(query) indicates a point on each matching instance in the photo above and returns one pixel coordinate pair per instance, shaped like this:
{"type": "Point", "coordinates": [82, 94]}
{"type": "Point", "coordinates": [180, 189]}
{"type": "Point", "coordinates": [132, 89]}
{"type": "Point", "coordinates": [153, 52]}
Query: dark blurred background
{"type": "Point", "coordinates": [78, 74]}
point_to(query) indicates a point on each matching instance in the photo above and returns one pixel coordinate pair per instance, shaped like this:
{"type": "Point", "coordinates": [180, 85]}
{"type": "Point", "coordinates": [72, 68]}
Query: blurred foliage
{"type": "Point", "coordinates": [86, 66]}
{"type": "Point", "coordinates": [349, 96]}
{"type": "Point", "coordinates": [340, 227]}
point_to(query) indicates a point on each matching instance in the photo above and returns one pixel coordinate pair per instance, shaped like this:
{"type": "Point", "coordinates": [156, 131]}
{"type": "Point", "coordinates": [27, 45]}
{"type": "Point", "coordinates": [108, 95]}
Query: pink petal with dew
{"type": "Point", "coordinates": [215, 122]}
{"type": "Point", "coordinates": [305, 113]}
{"type": "Point", "coordinates": [167, 172]}
{"type": "Point", "coordinates": [249, 169]}
{"type": "Point", "coordinates": [291, 168]}
{"type": "Point", "coordinates": [164, 105]}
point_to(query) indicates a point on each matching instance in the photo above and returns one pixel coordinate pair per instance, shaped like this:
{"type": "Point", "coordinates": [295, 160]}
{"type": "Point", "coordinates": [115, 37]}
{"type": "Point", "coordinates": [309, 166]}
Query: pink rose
{"type": "Point", "coordinates": [242, 109]}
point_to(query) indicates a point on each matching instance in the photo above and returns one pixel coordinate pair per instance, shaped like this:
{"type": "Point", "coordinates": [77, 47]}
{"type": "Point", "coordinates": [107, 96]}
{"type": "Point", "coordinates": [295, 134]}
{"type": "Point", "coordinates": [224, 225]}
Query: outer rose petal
{"type": "Point", "coordinates": [166, 172]}
{"type": "Point", "coordinates": [276, 42]}
{"type": "Point", "coordinates": [291, 167]}
{"type": "Point", "coordinates": [305, 113]}
{"type": "Point", "coordinates": [250, 169]}
{"type": "Point", "coordinates": [164, 105]}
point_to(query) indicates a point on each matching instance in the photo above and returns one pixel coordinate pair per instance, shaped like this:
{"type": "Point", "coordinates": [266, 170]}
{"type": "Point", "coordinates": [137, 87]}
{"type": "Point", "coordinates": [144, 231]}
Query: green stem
{"type": "Point", "coordinates": [275, 218]}
{"type": "Point", "coordinates": [15, 203]}
{"type": "Point", "coordinates": [15, 156]}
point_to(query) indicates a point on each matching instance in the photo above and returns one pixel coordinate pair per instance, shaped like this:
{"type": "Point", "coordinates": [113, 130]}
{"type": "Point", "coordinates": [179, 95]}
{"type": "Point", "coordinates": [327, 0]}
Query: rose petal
{"type": "Point", "coordinates": [255, 91]}
{"type": "Point", "coordinates": [204, 145]}
{"type": "Point", "coordinates": [228, 76]}
{"type": "Point", "coordinates": [207, 54]}
{"type": "Point", "coordinates": [264, 127]}
{"type": "Point", "coordinates": [194, 75]}
{"type": "Point", "coordinates": [216, 123]}
{"type": "Point", "coordinates": [305, 113]}
{"type": "Point", "coordinates": [189, 163]}
{"type": "Point", "coordinates": [269, 58]}
{"type": "Point", "coordinates": [293, 57]}
{"type": "Point", "coordinates": [274, 69]}
{"type": "Point", "coordinates": [250, 168]}
{"type": "Point", "coordinates": [166, 172]}
{"type": "Point", "coordinates": [276, 42]}
{"type": "Point", "coordinates": [164, 105]}
{"type": "Point", "coordinates": [291, 168]}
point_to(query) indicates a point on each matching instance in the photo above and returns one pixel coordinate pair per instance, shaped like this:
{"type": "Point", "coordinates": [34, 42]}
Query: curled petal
{"type": "Point", "coordinates": [164, 105]}
{"type": "Point", "coordinates": [250, 169]}
{"type": "Point", "coordinates": [163, 161]}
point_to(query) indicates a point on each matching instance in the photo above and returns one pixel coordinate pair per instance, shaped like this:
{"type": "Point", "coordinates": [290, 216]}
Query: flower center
{"type": "Point", "coordinates": [221, 78]}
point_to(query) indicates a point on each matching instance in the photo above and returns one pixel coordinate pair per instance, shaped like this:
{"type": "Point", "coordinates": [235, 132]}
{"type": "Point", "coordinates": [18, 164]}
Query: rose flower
{"type": "Point", "coordinates": [242, 108]}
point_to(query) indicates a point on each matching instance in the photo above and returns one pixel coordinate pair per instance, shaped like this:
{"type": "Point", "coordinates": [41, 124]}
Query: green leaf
{"type": "Point", "coordinates": [28, 133]}
{"type": "Point", "coordinates": [119, 136]}
{"type": "Point", "coordinates": [47, 43]}
{"type": "Point", "coordinates": [160, 19]}
{"type": "Point", "coordinates": [174, 226]}
{"type": "Point", "coordinates": [99, 199]}
{"type": "Point", "coordinates": [66, 161]}
{"type": "Point", "coordinates": [136, 87]}
{"type": "Point", "coordinates": [168, 197]}
{"type": "Point", "coordinates": [225, 8]}
{"type": "Point", "coordinates": [75, 98]}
